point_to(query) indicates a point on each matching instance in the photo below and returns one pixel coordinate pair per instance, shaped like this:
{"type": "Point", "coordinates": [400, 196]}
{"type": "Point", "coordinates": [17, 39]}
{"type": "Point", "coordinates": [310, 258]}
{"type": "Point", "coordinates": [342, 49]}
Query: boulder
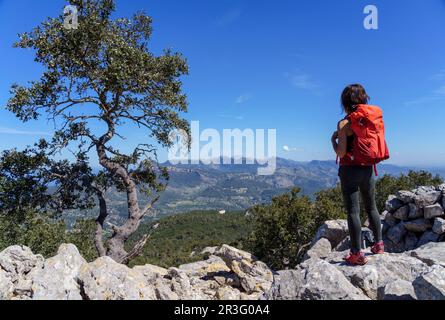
{"type": "Point", "coordinates": [411, 241]}
{"type": "Point", "coordinates": [431, 253]}
{"type": "Point", "coordinates": [323, 281]}
{"type": "Point", "coordinates": [286, 285]}
{"type": "Point", "coordinates": [399, 290]}
{"type": "Point", "coordinates": [433, 211]}
{"type": "Point", "coordinates": [406, 196]}
{"type": "Point", "coordinates": [17, 261]}
{"type": "Point", "coordinates": [414, 212]}
{"type": "Point", "coordinates": [431, 285]}
{"type": "Point", "coordinates": [151, 272]}
{"type": "Point", "coordinates": [191, 288]}
{"type": "Point", "coordinates": [397, 233]}
{"type": "Point", "coordinates": [426, 197]}
{"type": "Point", "coordinates": [56, 279]}
{"type": "Point", "coordinates": [105, 279]}
{"type": "Point", "coordinates": [428, 237]}
{"type": "Point", "coordinates": [418, 225]}
{"type": "Point", "coordinates": [390, 219]}
{"type": "Point", "coordinates": [255, 276]}
{"type": "Point", "coordinates": [402, 213]}
{"type": "Point", "coordinates": [392, 247]}
{"type": "Point", "coordinates": [439, 226]}
{"type": "Point", "coordinates": [392, 204]}
{"type": "Point", "coordinates": [212, 265]}
{"type": "Point", "coordinates": [228, 293]}
{"type": "Point", "coordinates": [334, 230]}
{"type": "Point", "coordinates": [364, 278]}
{"type": "Point", "coordinates": [320, 249]}
{"type": "Point", "coordinates": [6, 286]}
{"type": "Point", "coordinates": [380, 270]}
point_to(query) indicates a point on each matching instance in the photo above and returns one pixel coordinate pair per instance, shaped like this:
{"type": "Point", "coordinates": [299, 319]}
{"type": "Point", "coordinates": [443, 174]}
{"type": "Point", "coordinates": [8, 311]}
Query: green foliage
{"type": "Point", "coordinates": [329, 204]}
{"type": "Point", "coordinates": [178, 236]}
{"type": "Point", "coordinates": [282, 230]}
{"type": "Point", "coordinates": [82, 236]}
{"type": "Point", "coordinates": [44, 235]}
{"type": "Point", "coordinates": [388, 185]}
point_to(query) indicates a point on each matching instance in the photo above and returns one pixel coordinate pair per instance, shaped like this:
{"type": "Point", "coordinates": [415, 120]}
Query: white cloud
{"type": "Point", "coordinates": [290, 149]}
{"type": "Point", "coordinates": [301, 81]}
{"type": "Point", "coordinates": [13, 131]}
{"type": "Point", "coordinates": [243, 98]}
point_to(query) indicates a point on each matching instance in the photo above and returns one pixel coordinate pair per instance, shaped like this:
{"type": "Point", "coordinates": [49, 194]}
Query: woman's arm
{"type": "Point", "coordinates": [340, 138]}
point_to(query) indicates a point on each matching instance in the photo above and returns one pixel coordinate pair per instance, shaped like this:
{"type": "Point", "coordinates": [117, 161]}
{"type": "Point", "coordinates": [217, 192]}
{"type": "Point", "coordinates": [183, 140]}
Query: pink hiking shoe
{"type": "Point", "coordinates": [356, 259]}
{"type": "Point", "coordinates": [378, 248]}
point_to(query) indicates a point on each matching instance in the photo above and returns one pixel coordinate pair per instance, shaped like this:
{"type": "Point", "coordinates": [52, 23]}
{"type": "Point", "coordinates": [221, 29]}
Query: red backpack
{"type": "Point", "coordinates": [369, 147]}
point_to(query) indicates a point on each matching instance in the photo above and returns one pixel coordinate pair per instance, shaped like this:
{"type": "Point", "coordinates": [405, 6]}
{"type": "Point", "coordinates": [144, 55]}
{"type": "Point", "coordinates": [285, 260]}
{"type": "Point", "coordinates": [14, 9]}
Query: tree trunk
{"type": "Point", "coordinates": [103, 214]}
{"type": "Point", "coordinates": [116, 244]}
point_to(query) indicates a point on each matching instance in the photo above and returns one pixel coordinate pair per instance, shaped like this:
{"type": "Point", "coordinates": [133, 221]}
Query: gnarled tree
{"type": "Point", "coordinates": [102, 75]}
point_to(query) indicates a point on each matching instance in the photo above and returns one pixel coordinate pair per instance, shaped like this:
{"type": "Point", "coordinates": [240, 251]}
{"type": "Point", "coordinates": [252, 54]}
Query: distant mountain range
{"type": "Point", "coordinates": [238, 187]}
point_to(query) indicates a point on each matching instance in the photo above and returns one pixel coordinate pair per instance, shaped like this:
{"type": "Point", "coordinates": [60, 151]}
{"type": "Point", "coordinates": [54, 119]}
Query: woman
{"type": "Point", "coordinates": [356, 177]}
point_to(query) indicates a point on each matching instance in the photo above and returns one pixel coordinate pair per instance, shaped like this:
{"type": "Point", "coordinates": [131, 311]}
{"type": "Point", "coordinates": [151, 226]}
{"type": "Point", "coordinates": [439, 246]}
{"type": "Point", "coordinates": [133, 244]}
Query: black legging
{"type": "Point", "coordinates": [356, 180]}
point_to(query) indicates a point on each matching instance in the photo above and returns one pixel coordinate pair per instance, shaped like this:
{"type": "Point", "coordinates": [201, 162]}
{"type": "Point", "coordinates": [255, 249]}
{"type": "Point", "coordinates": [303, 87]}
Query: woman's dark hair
{"type": "Point", "coordinates": [353, 95]}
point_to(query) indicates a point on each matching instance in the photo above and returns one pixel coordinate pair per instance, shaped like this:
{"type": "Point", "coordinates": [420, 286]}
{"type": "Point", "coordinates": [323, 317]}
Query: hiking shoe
{"type": "Point", "coordinates": [378, 248]}
{"type": "Point", "coordinates": [356, 259]}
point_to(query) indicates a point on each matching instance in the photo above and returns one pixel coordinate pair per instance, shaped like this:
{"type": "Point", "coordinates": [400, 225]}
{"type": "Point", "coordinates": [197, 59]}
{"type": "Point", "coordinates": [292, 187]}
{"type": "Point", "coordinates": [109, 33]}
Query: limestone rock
{"type": "Point", "coordinates": [380, 270]}
{"type": "Point", "coordinates": [287, 285]}
{"type": "Point", "coordinates": [322, 281]}
{"type": "Point", "coordinates": [392, 204]}
{"type": "Point", "coordinates": [151, 272]}
{"type": "Point", "coordinates": [411, 241]}
{"type": "Point", "coordinates": [57, 277]}
{"type": "Point", "coordinates": [212, 265]}
{"type": "Point", "coordinates": [414, 212]}
{"type": "Point", "coordinates": [334, 230]}
{"type": "Point", "coordinates": [396, 233]}
{"type": "Point", "coordinates": [104, 279]}
{"type": "Point", "coordinates": [433, 211]}
{"type": "Point", "coordinates": [428, 237]}
{"type": "Point", "coordinates": [426, 197]}
{"type": "Point", "coordinates": [431, 285]}
{"type": "Point", "coordinates": [439, 226]}
{"type": "Point", "coordinates": [320, 249]}
{"type": "Point", "coordinates": [402, 213]}
{"type": "Point", "coordinates": [6, 287]}
{"type": "Point", "coordinates": [17, 261]}
{"type": "Point", "coordinates": [406, 196]}
{"type": "Point", "coordinates": [254, 275]}
{"type": "Point", "coordinates": [418, 225]}
{"type": "Point", "coordinates": [228, 293]}
{"type": "Point", "coordinates": [431, 253]}
{"type": "Point", "coordinates": [399, 290]}
{"type": "Point", "coordinates": [366, 278]}
{"type": "Point", "coordinates": [390, 219]}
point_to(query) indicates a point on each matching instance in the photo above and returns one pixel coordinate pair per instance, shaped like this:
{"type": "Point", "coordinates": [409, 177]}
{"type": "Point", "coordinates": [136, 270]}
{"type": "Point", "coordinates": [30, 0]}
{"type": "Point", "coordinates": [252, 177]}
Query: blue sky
{"type": "Point", "coordinates": [280, 65]}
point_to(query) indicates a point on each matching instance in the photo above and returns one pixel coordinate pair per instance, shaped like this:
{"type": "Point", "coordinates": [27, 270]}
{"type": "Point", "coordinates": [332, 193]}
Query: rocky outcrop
{"type": "Point", "coordinates": [414, 218]}
{"type": "Point", "coordinates": [415, 269]}
{"type": "Point", "coordinates": [228, 274]}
